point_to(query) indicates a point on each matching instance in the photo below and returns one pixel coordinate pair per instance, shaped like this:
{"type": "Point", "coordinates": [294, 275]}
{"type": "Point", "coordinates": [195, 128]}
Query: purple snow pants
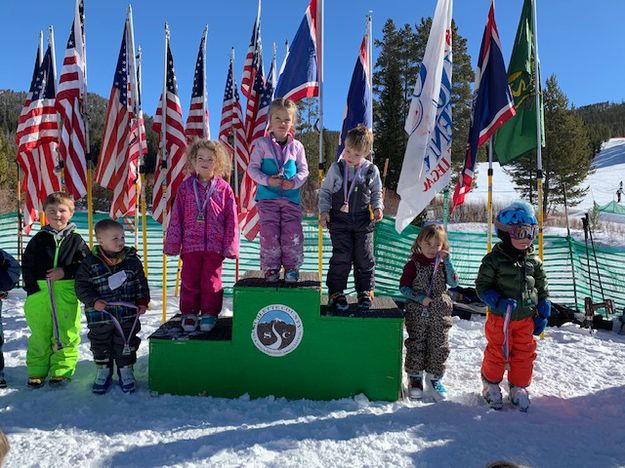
{"type": "Point", "coordinates": [201, 289]}
{"type": "Point", "coordinates": [281, 235]}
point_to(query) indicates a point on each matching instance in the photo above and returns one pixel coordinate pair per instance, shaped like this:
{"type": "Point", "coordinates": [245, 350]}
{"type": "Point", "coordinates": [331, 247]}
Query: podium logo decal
{"type": "Point", "coordinates": [277, 330]}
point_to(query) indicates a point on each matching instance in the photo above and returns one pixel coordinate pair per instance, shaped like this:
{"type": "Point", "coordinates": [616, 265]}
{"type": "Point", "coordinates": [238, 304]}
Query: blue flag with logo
{"type": "Point", "coordinates": [358, 109]}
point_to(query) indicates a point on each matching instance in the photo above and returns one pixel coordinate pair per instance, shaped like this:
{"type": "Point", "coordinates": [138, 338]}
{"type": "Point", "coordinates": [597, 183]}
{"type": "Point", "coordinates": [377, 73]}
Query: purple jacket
{"type": "Point", "coordinates": [269, 159]}
{"type": "Point", "coordinates": [218, 232]}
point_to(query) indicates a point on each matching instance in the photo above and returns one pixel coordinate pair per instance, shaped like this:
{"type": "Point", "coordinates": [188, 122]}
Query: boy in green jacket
{"type": "Point", "coordinates": [512, 282]}
{"type": "Point", "coordinates": [51, 258]}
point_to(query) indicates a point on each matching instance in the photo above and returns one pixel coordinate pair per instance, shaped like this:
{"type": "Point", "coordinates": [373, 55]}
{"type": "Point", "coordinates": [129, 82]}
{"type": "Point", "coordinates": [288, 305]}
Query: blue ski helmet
{"type": "Point", "coordinates": [518, 212]}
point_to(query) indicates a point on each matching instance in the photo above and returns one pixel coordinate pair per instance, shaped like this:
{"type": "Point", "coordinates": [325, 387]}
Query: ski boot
{"type": "Point", "coordinates": [415, 386]}
{"type": "Point", "coordinates": [126, 379]}
{"type": "Point", "coordinates": [272, 276]}
{"type": "Point", "coordinates": [492, 394]}
{"type": "Point", "coordinates": [520, 398]}
{"type": "Point", "coordinates": [434, 388]}
{"type": "Point", "coordinates": [103, 379]}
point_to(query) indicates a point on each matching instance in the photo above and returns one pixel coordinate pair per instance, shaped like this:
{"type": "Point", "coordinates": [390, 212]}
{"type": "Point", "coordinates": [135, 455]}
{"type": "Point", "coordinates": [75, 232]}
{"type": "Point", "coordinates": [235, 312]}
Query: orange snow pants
{"type": "Point", "coordinates": [521, 346]}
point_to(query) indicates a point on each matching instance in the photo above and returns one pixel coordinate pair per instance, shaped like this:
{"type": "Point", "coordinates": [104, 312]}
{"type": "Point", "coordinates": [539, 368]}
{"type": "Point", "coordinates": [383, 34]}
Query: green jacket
{"type": "Point", "coordinates": [520, 277]}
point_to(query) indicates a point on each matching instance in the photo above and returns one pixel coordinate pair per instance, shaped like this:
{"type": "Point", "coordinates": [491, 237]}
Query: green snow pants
{"type": "Point", "coordinates": [41, 358]}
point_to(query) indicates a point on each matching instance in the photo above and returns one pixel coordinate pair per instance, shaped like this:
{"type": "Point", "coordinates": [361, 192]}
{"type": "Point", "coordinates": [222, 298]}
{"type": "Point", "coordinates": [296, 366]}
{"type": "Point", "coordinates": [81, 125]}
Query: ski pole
{"type": "Point", "coordinates": [118, 325]}
{"type": "Point", "coordinates": [55, 322]}
{"type": "Point", "coordinates": [585, 225]}
{"type": "Point", "coordinates": [425, 313]}
{"type": "Point", "coordinates": [594, 253]}
{"type": "Point", "coordinates": [505, 347]}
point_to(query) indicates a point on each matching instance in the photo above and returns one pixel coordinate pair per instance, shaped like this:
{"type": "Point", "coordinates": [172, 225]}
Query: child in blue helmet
{"type": "Point", "coordinates": [512, 282]}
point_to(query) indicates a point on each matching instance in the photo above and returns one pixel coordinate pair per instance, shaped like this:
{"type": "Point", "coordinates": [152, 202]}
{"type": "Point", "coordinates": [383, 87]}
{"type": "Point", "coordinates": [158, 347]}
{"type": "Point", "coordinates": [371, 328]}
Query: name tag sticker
{"type": "Point", "coordinates": [116, 280]}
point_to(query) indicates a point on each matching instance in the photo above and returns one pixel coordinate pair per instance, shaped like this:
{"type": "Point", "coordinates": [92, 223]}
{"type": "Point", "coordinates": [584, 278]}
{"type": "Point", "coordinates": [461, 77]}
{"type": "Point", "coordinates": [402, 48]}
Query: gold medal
{"type": "Point", "coordinates": [345, 208]}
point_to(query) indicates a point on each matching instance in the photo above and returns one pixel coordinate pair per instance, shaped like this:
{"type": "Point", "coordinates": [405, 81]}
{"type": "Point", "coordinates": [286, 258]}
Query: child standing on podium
{"type": "Point", "coordinates": [203, 230]}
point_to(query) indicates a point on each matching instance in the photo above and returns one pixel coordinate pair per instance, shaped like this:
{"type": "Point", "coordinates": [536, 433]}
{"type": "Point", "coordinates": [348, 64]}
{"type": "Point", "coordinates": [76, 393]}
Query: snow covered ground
{"type": "Point", "coordinates": [609, 167]}
{"type": "Point", "coordinates": [576, 418]}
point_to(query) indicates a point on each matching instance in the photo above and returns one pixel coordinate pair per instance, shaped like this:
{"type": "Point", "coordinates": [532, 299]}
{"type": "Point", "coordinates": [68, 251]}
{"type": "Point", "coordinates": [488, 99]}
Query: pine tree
{"type": "Point", "coordinates": [566, 156]}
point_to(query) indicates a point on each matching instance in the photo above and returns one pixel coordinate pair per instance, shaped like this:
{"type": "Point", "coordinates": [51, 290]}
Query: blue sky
{"type": "Point", "coordinates": [579, 41]}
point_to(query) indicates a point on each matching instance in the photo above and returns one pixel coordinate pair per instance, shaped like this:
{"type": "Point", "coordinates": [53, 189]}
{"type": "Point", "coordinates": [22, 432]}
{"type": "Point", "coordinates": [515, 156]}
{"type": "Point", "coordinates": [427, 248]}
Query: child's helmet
{"type": "Point", "coordinates": [515, 214]}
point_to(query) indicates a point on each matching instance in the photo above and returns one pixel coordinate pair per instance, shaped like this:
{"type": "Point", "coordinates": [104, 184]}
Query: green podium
{"type": "Point", "coordinates": [281, 341]}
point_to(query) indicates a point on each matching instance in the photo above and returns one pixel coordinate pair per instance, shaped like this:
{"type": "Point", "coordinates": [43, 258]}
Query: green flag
{"type": "Point", "coordinates": [518, 135]}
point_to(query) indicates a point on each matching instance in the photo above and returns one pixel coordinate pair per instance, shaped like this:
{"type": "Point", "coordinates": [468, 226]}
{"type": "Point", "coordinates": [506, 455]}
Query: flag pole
{"type": "Point", "coordinates": [132, 80]}
{"type": "Point", "coordinates": [489, 206]}
{"type": "Point", "coordinates": [321, 164]}
{"type": "Point", "coordinates": [235, 171]}
{"type": "Point", "coordinates": [370, 60]}
{"type": "Point", "coordinates": [42, 214]}
{"type": "Point", "coordinates": [539, 158]}
{"type": "Point", "coordinates": [164, 168]}
{"type": "Point", "coordinates": [85, 112]}
{"type": "Point", "coordinates": [144, 209]}
{"type": "Point", "coordinates": [58, 119]}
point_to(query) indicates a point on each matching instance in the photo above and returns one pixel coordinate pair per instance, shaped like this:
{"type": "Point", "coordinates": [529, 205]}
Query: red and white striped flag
{"type": "Point", "coordinates": [69, 104]}
{"type": "Point", "coordinates": [197, 120]}
{"type": "Point", "coordinates": [254, 55]}
{"type": "Point", "coordinates": [170, 167]}
{"type": "Point", "coordinates": [36, 138]}
{"type": "Point", "coordinates": [232, 127]}
{"type": "Point", "coordinates": [120, 151]}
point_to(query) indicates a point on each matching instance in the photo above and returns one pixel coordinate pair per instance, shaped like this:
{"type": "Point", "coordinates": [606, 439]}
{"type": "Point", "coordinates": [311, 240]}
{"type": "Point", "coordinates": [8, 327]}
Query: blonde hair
{"type": "Point", "coordinates": [284, 104]}
{"type": "Point", "coordinates": [222, 160]}
{"type": "Point", "coordinates": [360, 138]}
{"type": "Point", "coordinates": [59, 198]}
{"type": "Point", "coordinates": [4, 446]}
{"type": "Point", "coordinates": [428, 232]}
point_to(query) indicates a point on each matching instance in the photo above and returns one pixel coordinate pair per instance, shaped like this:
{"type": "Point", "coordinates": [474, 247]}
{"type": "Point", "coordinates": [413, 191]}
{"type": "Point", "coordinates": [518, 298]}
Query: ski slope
{"type": "Point", "coordinates": [609, 170]}
{"type": "Point", "coordinates": [576, 417]}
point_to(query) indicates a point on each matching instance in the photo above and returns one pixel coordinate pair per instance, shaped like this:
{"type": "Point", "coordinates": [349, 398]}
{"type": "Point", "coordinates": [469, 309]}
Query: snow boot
{"type": "Point", "coordinates": [434, 388]}
{"type": "Point", "coordinates": [520, 398]}
{"type": "Point", "coordinates": [58, 382]}
{"type": "Point", "coordinates": [207, 323]}
{"type": "Point", "coordinates": [338, 301]}
{"type": "Point", "coordinates": [126, 379]}
{"type": "Point", "coordinates": [35, 382]}
{"type": "Point", "coordinates": [272, 276]}
{"type": "Point", "coordinates": [103, 379]}
{"type": "Point", "coordinates": [492, 394]}
{"type": "Point", "coordinates": [189, 322]}
{"type": "Point", "coordinates": [415, 386]}
{"type": "Point", "coordinates": [291, 276]}
{"type": "Point", "coordinates": [364, 300]}
{"type": "Point", "coordinates": [3, 383]}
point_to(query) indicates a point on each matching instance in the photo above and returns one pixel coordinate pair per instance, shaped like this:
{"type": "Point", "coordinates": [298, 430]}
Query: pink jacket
{"type": "Point", "coordinates": [218, 232]}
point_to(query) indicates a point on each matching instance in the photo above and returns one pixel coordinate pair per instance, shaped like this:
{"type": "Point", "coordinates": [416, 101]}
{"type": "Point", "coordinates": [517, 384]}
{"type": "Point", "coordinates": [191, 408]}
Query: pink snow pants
{"type": "Point", "coordinates": [201, 290]}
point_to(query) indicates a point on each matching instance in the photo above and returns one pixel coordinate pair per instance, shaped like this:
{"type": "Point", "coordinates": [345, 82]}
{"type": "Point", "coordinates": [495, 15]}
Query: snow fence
{"type": "Point", "coordinates": [597, 279]}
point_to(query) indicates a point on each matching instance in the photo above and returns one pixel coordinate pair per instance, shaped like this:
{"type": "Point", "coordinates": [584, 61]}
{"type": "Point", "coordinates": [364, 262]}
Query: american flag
{"type": "Point", "coordinates": [261, 122]}
{"type": "Point", "coordinates": [26, 140]}
{"type": "Point", "coordinates": [232, 127]}
{"type": "Point", "coordinates": [252, 59]}
{"type": "Point", "coordinates": [197, 120]}
{"type": "Point", "coordinates": [118, 162]}
{"type": "Point", "coordinates": [69, 104]}
{"type": "Point", "coordinates": [170, 170]}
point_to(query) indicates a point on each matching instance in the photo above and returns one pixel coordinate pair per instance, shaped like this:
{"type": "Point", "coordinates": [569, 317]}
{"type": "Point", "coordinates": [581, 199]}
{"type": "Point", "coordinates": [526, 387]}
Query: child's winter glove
{"type": "Point", "coordinates": [539, 325]}
{"type": "Point", "coordinates": [544, 308]}
{"type": "Point", "coordinates": [502, 305]}
{"type": "Point", "coordinates": [490, 298]}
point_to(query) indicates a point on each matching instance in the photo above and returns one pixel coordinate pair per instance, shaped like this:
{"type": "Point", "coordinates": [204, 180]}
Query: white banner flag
{"type": "Point", "coordinates": [426, 169]}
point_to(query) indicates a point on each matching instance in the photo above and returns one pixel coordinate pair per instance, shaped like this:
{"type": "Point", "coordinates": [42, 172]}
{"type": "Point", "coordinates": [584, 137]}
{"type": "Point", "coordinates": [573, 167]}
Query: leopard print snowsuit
{"type": "Point", "coordinates": [427, 345]}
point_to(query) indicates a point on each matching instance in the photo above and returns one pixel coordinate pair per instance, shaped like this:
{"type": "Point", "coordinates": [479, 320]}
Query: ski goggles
{"type": "Point", "coordinates": [519, 231]}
